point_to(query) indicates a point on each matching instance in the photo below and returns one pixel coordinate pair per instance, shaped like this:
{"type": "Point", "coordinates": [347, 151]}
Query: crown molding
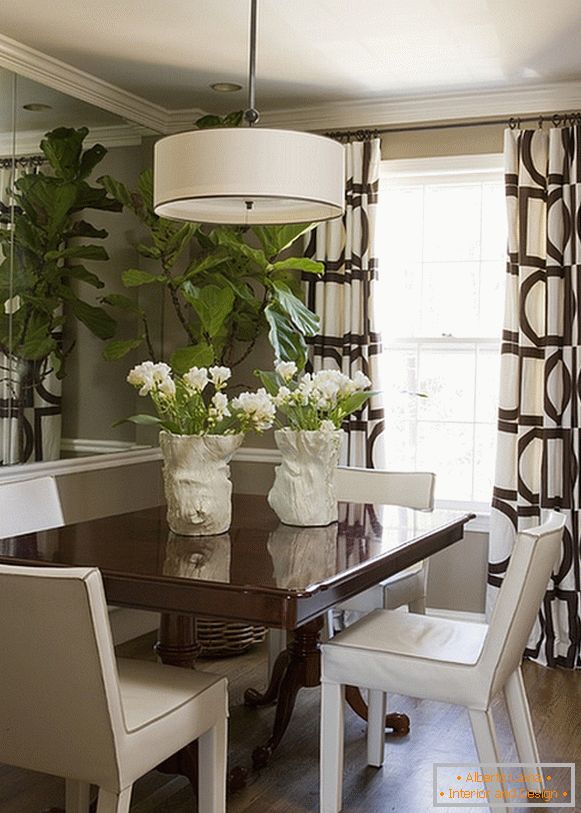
{"type": "Point", "coordinates": [121, 135]}
{"type": "Point", "coordinates": [26, 61]}
{"type": "Point", "coordinates": [528, 100]}
{"type": "Point", "coordinates": [381, 112]}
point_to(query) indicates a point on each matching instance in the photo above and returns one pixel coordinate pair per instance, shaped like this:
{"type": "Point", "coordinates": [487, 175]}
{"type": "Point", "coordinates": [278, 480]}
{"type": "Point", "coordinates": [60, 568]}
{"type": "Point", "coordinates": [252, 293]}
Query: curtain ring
{"type": "Point", "coordinates": [556, 119]}
{"type": "Point", "coordinates": [540, 122]}
{"type": "Point", "coordinates": [514, 123]}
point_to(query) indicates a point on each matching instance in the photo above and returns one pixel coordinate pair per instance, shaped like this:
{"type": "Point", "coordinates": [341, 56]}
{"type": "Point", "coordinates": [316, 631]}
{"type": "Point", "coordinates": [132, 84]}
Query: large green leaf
{"type": "Point", "coordinates": [28, 235]}
{"type": "Point", "coordinates": [299, 264]}
{"type": "Point", "coordinates": [197, 355]}
{"type": "Point", "coordinates": [90, 159]}
{"type": "Point", "coordinates": [122, 302]}
{"type": "Point", "coordinates": [82, 274]}
{"type": "Point", "coordinates": [63, 148]}
{"type": "Point", "coordinates": [288, 344]}
{"type": "Point", "coordinates": [38, 342]}
{"type": "Point", "coordinates": [233, 119]}
{"type": "Point", "coordinates": [142, 420]}
{"type": "Point", "coordinates": [234, 240]}
{"type": "Point", "coordinates": [303, 319]}
{"type": "Point", "coordinates": [80, 252]}
{"type": "Point", "coordinates": [117, 349]}
{"type": "Point", "coordinates": [275, 239]}
{"type": "Point", "coordinates": [178, 239]}
{"type": "Point", "coordinates": [134, 277]}
{"type": "Point", "coordinates": [50, 199]}
{"type": "Point", "coordinates": [80, 228]}
{"type": "Point", "coordinates": [201, 265]}
{"type": "Point", "coordinates": [96, 319]}
{"type": "Point", "coordinates": [89, 197]}
{"type": "Point", "coordinates": [212, 304]}
{"type": "Point", "coordinates": [117, 190]}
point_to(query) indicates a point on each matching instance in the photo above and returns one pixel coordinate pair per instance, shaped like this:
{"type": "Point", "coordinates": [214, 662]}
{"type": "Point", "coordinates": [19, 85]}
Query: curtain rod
{"type": "Point", "coordinates": [23, 161]}
{"type": "Point", "coordinates": [556, 119]}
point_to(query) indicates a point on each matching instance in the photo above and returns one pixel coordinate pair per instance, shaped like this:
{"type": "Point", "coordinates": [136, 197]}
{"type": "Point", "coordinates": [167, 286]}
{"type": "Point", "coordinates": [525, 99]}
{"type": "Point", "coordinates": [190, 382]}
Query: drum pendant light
{"type": "Point", "coordinates": [249, 175]}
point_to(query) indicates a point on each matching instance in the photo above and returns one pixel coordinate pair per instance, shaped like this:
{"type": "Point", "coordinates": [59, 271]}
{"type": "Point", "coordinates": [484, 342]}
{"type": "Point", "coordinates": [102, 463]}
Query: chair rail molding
{"type": "Point", "coordinates": [379, 112]}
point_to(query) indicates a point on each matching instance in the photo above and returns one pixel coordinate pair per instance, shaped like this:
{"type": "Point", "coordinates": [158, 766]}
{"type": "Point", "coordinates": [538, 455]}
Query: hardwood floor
{"type": "Point", "coordinates": [290, 784]}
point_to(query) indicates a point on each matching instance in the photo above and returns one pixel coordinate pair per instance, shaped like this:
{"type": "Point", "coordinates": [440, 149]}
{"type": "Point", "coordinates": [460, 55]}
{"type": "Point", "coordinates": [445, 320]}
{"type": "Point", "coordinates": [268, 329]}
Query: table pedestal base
{"type": "Point", "coordinates": [297, 667]}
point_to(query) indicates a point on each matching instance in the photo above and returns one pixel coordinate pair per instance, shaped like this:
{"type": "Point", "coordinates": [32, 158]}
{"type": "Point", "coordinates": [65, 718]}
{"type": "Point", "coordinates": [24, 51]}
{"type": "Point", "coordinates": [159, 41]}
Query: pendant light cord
{"type": "Point", "coordinates": [251, 115]}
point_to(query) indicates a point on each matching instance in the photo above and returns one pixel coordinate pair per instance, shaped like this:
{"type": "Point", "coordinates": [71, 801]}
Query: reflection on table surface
{"type": "Point", "coordinates": [258, 551]}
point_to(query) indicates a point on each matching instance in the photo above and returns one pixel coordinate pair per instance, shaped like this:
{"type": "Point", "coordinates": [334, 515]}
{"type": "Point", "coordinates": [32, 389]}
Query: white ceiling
{"type": "Point", "coordinates": [309, 51]}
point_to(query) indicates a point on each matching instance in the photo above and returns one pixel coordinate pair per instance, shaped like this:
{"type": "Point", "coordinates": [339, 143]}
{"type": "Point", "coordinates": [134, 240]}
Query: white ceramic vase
{"type": "Point", "coordinates": [196, 478]}
{"type": "Point", "coordinates": [304, 484]}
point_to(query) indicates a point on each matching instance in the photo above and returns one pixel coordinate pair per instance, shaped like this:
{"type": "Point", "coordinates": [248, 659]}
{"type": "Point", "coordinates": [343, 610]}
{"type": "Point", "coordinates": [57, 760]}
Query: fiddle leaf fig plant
{"type": "Point", "coordinates": [43, 256]}
{"type": "Point", "coordinates": [228, 285]}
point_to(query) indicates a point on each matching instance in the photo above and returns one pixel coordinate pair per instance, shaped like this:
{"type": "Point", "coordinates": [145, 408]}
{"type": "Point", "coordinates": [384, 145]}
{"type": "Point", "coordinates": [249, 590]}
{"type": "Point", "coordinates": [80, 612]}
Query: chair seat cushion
{"type": "Point", "coordinates": [150, 691]}
{"type": "Point", "coordinates": [408, 654]}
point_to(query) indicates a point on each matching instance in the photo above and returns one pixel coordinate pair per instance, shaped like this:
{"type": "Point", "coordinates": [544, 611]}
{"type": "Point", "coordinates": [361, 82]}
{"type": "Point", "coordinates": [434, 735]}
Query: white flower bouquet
{"type": "Point", "coordinates": [319, 401]}
{"type": "Point", "coordinates": [185, 404]}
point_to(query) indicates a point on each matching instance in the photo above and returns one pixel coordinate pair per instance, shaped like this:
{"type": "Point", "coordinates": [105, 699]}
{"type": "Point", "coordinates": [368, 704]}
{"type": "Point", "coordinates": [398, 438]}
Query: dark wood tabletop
{"type": "Point", "coordinates": [260, 571]}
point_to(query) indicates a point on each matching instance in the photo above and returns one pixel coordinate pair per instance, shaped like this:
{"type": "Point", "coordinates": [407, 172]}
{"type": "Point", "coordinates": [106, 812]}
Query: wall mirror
{"type": "Point", "coordinates": [64, 246]}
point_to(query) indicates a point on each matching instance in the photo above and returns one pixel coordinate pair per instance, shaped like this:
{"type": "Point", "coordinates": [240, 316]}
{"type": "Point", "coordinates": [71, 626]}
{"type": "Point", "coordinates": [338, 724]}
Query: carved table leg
{"type": "Point", "coordinates": [302, 667]}
{"type": "Point", "coordinates": [254, 698]}
{"type": "Point", "coordinates": [400, 723]}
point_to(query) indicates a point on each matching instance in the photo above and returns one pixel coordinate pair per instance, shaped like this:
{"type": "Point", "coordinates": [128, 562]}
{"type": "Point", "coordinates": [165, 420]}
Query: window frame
{"type": "Point", "coordinates": [443, 169]}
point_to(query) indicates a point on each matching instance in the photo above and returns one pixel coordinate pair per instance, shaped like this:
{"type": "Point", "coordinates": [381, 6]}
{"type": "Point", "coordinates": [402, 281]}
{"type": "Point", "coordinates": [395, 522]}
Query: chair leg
{"type": "Point", "coordinates": [522, 724]}
{"type": "Point", "coordinates": [212, 755]}
{"type": "Point", "coordinates": [332, 741]}
{"type": "Point", "coordinates": [484, 732]}
{"type": "Point", "coordinates": [418, 606]}
{"type": "Point", "coordinates": [377, 703]}
{"type": "Point", "coordinates": [77, 796]}
{"type": "Point", "coordinates": [276, 645]}
{"type": "Point", "coordinates": [110, 802]}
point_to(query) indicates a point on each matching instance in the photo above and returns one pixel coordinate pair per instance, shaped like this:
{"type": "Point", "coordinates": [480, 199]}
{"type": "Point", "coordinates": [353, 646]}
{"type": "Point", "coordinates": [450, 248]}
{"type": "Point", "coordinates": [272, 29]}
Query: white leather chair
{"type": "Point", "coordinates": [29, 505]}
{"type": "Point", "coordinates": [411, 489]}
{"type": "Point", "coordinates": [439, 659]}
{"type": "Point", "coordinates": [70, 709]}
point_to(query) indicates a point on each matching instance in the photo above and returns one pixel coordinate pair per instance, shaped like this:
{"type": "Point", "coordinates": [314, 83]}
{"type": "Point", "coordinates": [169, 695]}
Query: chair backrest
{"type": "Point", "coordinates": [61, 709]}
{"type": "Point", "coordinates": [29, 505]}
{"type": "Point", "coordinates": [412, 489]}
{"type": "Point", "coordinates": [531, 563]}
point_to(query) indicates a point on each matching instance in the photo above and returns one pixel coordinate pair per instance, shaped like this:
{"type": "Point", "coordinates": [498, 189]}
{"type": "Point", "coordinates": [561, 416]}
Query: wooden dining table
{"type": "Point", "coordinates": [260, 572]}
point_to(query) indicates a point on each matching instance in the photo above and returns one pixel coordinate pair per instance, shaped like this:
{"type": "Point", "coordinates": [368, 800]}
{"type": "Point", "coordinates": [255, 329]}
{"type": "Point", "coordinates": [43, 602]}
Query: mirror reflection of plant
{"type": "Point", "coordinates": [42, 249]}
{"type": "Point", "coordinates": [229, 293]}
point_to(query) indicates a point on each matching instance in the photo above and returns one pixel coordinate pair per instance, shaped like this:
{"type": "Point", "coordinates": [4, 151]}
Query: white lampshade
{"type": "Point", "coordinates": [248, 176]}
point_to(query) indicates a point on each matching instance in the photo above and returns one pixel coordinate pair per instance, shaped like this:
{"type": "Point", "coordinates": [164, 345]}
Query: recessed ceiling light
{"type": "Point", "coordinates": [37, 107]}
{"type": "Point", "coordinates": [226, 87]}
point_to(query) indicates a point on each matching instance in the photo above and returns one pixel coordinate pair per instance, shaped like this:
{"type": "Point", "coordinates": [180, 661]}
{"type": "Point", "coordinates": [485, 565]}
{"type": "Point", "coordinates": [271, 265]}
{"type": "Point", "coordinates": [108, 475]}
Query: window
{"type": "Point", "coordinates": [442, 245]}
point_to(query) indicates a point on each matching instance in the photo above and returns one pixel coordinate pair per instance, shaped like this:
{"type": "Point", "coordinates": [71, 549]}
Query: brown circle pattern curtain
{"type": "Point", "coordinates": [343, 298]}
{"type": "Point", "coordinates": [539, 453]}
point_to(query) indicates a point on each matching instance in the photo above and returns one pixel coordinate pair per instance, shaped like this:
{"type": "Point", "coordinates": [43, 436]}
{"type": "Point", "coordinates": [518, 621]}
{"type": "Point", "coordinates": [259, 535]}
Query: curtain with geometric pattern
{"type": "Point", "coordinates": [538, 453]}
{"type": "Point", "coordinates": [343, 298]}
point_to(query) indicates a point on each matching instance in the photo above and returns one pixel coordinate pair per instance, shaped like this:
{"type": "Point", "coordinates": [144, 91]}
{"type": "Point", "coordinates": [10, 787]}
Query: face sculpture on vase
{"type": "Point", "coordinates": [313, 406]}
{"type": "Point", "coordinates": [200, 431]}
